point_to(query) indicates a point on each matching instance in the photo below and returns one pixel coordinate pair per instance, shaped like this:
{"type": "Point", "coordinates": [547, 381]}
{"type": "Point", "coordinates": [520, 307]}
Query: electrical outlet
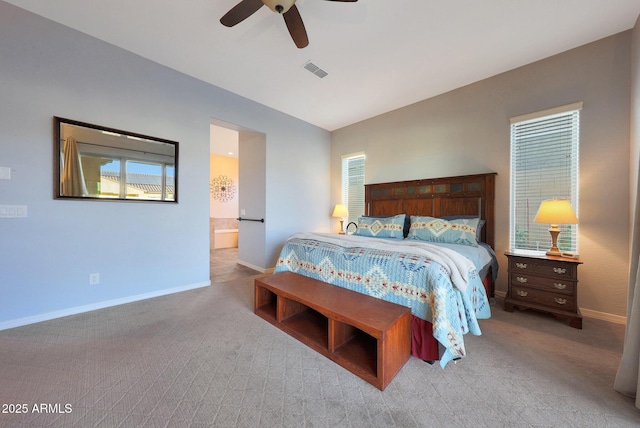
{"type": "Point", "coordinates": [94, 278]}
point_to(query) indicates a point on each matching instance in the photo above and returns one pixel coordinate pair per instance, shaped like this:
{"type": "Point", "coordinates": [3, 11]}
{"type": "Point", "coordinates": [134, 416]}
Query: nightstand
{"type": "Point", "coordinates": [544, 283]}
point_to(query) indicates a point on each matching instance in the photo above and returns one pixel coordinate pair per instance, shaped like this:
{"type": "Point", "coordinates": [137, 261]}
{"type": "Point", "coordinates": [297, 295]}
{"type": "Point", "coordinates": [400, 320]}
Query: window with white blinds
{"type": "Point", "coordinates": [544, 165]}
{"type": "Point", "coordinates": [353, 185]}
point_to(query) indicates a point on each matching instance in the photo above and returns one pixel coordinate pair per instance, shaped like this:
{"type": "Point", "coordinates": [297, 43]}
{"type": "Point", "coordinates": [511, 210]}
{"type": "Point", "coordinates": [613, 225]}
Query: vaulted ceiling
{"type": "Point", "coordinates": [379, 55]}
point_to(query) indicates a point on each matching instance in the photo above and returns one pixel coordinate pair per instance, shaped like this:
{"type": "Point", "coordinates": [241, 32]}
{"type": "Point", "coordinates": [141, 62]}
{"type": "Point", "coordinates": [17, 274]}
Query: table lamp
{"type": "Point", "coordinates": [341, 212]}
{"type": "Point", "coordinates": [555, 212]}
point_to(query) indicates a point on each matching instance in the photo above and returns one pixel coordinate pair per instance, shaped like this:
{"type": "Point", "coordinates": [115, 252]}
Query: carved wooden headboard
{"type": "Point", "coordinates": [436, 197]}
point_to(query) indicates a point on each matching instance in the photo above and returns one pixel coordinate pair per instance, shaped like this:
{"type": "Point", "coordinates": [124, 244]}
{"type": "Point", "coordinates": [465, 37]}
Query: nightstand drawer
{"type": "Point", "coordinates": [546, 268]}
{"type": "Point", "coordinates": [556, 285]}
{"type": "Point", "coordinates": [552, 300]}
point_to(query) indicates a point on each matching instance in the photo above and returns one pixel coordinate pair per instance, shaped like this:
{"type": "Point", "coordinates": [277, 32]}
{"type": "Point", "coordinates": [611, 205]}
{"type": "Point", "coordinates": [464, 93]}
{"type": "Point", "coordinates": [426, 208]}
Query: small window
{"type": "Point", "coordinates": [544, 165]}
{"type": "Point", "coordinates": [353, 185]}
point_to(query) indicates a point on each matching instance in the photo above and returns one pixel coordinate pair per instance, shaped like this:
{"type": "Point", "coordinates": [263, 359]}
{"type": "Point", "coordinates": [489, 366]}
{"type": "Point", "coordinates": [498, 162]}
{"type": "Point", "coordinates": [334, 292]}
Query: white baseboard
{"type": "Point", "coordinates": [100, 305]}
{"type": "Point", "coordinates": [254, 267]}
{"type": "Point", "coordinates": [587, 313]}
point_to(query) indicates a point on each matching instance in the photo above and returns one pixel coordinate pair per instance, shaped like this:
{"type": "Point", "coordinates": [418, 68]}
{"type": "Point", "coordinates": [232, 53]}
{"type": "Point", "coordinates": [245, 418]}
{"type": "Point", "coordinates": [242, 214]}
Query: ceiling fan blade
{"type": "Point", "coordinates": [296, 27]}
{"type": "Point", "coordinates": [240, 12]}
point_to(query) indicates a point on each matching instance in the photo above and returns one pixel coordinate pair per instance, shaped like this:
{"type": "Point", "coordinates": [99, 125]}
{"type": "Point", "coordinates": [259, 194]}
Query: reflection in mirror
{"type": "Point", "coordinates": [103, 163]}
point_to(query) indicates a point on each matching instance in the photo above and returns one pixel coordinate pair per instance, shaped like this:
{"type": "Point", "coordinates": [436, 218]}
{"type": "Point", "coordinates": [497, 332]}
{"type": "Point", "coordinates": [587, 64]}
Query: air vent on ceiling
{"type": "Point", "coordinates": [315, 69]}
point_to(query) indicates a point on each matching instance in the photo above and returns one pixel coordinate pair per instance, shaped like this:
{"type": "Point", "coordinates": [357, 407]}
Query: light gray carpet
{"type": "Point", "coordinates": [202, 358]}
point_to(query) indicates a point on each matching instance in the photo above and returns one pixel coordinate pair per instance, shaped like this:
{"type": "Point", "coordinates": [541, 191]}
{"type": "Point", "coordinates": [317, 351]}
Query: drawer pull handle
{"type": "Point", "coordinates": [521, 279]}
{"type": "Point", "coordinates": [560, 301]}
{"type": "Point", "coordinates": [522, 293]}
{"type": "Point", "coordinates": [559, 270]}
{"type": "Point", "coordinates": [521, 265]}
{"type": "Point", "coordinates": [559, 286]}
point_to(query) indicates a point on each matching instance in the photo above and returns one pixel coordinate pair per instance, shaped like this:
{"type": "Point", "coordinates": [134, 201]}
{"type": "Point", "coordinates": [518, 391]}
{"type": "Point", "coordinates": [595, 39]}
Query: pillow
{"type": "Point", "coordinates": [406, 227]}
{"type": "Point", "coordinates": [456, 231]}
{"type": "Point", "coordinates": [481, 223]}
{"type": "Point", "coordinates": [381, 227]}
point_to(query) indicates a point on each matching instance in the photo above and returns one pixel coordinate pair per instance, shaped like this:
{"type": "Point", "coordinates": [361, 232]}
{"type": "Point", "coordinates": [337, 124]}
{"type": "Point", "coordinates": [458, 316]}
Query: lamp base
{"type": "Point", "coordinates": [341, 228]}
{"type": "Point", "coordinates": [554, 230]}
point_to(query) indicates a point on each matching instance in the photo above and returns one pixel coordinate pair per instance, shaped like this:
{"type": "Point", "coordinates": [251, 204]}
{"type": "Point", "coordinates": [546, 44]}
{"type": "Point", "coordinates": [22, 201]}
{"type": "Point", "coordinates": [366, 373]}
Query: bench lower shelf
{"type": "Point", "coordinates": [367, 336]}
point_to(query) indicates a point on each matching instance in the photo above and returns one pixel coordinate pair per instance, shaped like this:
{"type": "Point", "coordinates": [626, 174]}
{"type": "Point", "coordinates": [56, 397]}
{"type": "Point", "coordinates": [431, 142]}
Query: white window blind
{"type": "Point", "coordinates": [544, 165]}
{"type": "Point", "coordinates": [353, 185]}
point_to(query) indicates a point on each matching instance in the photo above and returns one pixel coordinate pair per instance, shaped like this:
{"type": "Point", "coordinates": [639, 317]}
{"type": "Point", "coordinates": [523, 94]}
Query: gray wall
{"type": "Point", "coordinates": [139, 249]}
{"type": "Point", "coordinates": [252, 173]}
{"type": "Point", "coordinates": [466, 131]}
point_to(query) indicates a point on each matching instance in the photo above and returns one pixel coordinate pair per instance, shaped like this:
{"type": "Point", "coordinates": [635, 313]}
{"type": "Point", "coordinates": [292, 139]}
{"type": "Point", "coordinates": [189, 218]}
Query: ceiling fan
{"type": "Point", "coordinates": [287, 8]}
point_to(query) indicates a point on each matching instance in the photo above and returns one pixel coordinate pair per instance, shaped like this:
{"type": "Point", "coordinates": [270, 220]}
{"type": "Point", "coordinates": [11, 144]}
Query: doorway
{"type": "Point", "coordinates": [225, 179]}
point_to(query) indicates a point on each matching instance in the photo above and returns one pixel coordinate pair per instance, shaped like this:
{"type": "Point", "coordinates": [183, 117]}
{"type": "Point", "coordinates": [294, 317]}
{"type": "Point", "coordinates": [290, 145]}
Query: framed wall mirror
{"type": "Point", "coordinates": [99, 163]}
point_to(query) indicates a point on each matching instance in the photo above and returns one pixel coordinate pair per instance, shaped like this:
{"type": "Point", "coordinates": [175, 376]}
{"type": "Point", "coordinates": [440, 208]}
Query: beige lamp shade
{"type": "Point", "coordinates": [340, 211]}
{"type": "Point", "coordinates": [555, 212]}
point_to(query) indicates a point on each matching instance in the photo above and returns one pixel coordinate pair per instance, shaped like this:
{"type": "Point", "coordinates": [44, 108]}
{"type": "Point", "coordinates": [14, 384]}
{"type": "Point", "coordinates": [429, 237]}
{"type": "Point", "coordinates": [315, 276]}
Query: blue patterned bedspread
{"type": "Point", "coordinates": [406, 276]}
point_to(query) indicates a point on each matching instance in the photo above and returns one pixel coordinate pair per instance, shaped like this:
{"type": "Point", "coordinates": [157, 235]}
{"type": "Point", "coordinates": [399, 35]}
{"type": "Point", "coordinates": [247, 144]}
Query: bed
{"type": "Point", "coordinates": [425, 244]}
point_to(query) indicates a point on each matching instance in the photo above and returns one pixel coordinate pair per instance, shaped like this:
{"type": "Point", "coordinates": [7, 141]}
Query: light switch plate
{"type": "Point", "coordinates": [13, 211]}
{"type": "Point", "coordinates": [5, 173]}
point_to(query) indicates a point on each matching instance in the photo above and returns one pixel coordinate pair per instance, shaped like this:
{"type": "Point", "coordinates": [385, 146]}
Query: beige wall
{"type": "Point", "coordinates": [466, 131]}
{"type": "Point", "coordinates": [635, 128]}
{"type": "Point", "coordinates": [224, 166]}
{"type": "Point", "coordinates": [635, 113]}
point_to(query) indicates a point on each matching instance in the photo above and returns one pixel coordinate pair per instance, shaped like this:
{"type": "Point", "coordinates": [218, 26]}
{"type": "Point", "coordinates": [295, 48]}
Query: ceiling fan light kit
{"type": "Point", "coordinates": [287, 8]}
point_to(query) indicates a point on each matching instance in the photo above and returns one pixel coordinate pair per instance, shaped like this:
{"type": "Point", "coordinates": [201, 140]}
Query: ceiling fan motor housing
{"type": "Point", "coordinates": [280, 6]}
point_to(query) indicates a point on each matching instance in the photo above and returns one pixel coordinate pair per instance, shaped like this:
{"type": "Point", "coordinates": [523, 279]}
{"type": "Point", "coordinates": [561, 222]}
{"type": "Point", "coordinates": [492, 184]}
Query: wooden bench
{"type": "Point", "coordinates": [367, 336]}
